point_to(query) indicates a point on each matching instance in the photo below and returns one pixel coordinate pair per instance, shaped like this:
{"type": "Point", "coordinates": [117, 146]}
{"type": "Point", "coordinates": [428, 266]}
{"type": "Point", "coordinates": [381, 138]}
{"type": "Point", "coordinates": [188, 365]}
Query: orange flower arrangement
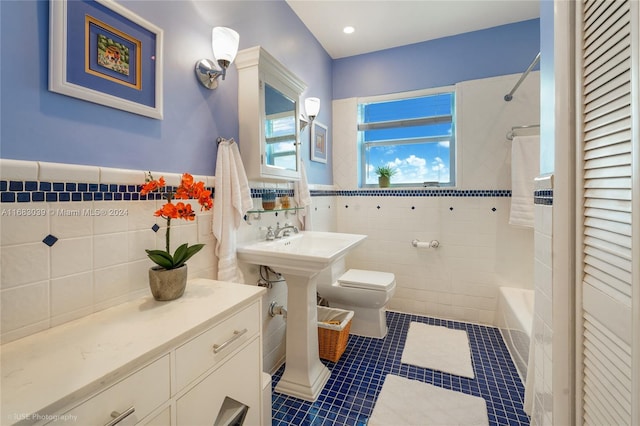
{"type": "Point", "coordinates": [188, 189]}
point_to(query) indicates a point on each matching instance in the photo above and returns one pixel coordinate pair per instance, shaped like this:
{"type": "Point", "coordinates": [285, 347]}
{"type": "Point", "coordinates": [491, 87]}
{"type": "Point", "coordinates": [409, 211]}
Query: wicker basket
{"type": "Point", "coordinates": [333, 332]}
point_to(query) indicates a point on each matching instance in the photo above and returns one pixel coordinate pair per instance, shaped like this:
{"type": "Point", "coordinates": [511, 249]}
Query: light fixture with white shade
{"type": "Point", "coordinates": [312, 108]}
{"type": "Point", "coordinates": [224, 42]}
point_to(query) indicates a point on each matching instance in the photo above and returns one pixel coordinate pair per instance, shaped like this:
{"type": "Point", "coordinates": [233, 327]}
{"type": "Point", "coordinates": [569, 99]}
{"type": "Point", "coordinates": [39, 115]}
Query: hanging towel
{"type": "Point", "coordinates": [232, 200]}
{"type": "Point", "coordinates": [525, 167]}
{"type": "Point", "coordinates": [302, 198]}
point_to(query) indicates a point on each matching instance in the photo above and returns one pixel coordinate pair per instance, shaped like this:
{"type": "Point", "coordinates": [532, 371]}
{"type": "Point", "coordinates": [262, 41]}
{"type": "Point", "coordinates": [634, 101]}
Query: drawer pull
{"type": "Point", "coordinates": [118, 417]}
{"type": "Point", "coordinates": [236, 335]}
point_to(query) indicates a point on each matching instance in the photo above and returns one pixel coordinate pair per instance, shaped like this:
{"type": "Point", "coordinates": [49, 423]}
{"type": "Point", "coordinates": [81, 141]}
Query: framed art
{"type": "Point", "coordinates": [101, 52]}
{"type": "Point", "coordinates": [319, 142]}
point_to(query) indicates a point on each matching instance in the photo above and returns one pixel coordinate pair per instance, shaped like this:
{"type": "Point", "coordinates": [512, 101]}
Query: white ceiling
{"type": "Point", "coordinates": [382, 24]}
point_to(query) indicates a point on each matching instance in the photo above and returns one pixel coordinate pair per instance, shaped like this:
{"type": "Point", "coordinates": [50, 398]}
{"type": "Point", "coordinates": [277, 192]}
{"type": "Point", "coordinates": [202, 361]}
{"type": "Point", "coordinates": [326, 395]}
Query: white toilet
{"type": "Point", "coordinates": [366, 293]}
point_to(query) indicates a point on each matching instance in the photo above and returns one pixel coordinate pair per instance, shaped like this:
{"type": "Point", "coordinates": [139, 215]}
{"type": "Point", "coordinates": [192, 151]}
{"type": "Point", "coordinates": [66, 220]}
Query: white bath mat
{"type": "Point", "coordinates": [438, 348]}
{"type": "Point", "coordinates": [410, 402]}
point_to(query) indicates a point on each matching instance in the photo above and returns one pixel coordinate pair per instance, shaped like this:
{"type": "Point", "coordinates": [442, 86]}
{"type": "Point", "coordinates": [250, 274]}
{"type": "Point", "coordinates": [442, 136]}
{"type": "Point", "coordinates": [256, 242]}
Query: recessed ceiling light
{"type": "Point", "coordinates": [348, 30]}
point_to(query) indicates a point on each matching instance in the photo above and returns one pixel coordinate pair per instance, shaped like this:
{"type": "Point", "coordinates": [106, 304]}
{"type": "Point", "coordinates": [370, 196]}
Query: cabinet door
{"type": "Point", "coordinates": [238, 378]}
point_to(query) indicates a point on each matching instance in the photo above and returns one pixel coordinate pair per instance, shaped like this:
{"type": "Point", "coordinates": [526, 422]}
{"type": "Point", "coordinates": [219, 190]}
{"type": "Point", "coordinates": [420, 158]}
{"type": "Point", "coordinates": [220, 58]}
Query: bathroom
{"type": "Point", "coordinates": [95, 265]}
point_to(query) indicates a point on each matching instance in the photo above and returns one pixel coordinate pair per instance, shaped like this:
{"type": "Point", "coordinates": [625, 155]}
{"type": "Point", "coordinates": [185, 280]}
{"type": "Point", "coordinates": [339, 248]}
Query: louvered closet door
{"type": "Point", "coordinates": [605, 358]}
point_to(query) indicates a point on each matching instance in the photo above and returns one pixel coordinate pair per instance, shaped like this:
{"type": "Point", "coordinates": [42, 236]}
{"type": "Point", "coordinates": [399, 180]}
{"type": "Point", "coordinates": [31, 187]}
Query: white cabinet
{"type": "Point", "coordinates": [162, 363]}
{"type": "Point", "coordinates": [268, 115]}
{"type": "Point", "coordinates": [161, 419]}
{"type": "Point", "coordinates": [236, 379]}
{"type": "Point", "coordinates": [214, 345]}
{"type": "Point", "coordinates": [140, 393]}
{"type": "Point", "coordinates": [223, 361]}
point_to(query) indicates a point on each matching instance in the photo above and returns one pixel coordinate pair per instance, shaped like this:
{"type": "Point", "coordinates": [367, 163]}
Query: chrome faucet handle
{"type": "Point", "coordinates": [270, 234]}
{"type": "Point", "coordinates": [294, 229]}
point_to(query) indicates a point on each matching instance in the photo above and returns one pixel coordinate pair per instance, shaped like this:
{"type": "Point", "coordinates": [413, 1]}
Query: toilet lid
{"type": "Point", "coordinates": [372, 280]}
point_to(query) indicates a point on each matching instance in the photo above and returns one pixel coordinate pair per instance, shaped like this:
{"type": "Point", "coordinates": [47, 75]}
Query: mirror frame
{"type": "Point", "coordinates": [256, 67]}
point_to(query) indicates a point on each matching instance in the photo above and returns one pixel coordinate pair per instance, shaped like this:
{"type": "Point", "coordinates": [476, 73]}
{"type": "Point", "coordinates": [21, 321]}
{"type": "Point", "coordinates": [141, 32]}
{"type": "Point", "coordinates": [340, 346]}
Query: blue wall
{"type": "Point", "coordinates": [507, 49]}
{"type": "Point", "coordinates": [41, 125]}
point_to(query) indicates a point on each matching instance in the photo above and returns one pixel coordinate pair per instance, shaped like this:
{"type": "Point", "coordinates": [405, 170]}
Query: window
{"type": "Point", "coordinates": [280, 129]}
{"type": "Point", "coordinates": [413, 134]}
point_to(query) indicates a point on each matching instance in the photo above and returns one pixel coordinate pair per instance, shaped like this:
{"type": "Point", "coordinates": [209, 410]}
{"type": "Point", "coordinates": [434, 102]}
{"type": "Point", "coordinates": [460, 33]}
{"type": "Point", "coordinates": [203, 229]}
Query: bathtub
{"type": "Point", "coordinates": [514, 317]}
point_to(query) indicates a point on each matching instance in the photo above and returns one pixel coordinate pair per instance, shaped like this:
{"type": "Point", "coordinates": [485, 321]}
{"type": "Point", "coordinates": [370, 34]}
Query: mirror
{"type": "Point", "coordinates": [281, 149]}
{"type": "Point", "coordinates": [268, 113]}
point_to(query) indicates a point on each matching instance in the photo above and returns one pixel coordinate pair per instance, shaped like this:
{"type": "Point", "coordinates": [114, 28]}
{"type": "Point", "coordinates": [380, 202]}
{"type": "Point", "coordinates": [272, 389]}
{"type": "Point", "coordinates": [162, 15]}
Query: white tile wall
{"type": "Point", "coordinates": [479, 251]}
{"type": "Point", "coordinates": [483, 119]}
{"type": "Point", "coordinates": [543, 319]}
{"type": "Point", "coordinates": [345, 151]}
{"type": "Point", "coordinates": [97, 262]}
{"type": "Point", "coordinates": [458, 280]}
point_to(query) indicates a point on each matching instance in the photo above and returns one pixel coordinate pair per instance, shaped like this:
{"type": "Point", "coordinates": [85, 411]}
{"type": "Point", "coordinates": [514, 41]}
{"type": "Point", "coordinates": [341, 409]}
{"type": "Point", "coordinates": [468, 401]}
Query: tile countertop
{"type": "Point", "coordinates": [44, 372]}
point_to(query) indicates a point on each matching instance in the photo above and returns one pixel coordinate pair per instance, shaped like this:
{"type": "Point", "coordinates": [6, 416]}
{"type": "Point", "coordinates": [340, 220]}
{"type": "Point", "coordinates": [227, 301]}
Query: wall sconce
{"type": "Point", "coordinates": [224, 42]}
{"type": "Point", "coordinates": [312, 108]}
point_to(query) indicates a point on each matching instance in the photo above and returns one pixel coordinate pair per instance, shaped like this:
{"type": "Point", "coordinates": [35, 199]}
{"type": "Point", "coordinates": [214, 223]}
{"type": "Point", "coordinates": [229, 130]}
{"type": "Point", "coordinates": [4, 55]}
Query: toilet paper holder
{"type": "Point", "coordinates": [422, 244]}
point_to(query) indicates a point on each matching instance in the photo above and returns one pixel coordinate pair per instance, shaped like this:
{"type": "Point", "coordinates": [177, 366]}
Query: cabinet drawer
{"type": "Point", "coordinates": [143, 390]}
{"type": "Point", "coordinates": [209, 348]}
{"type": "Point", "coordinates": [238, 378]}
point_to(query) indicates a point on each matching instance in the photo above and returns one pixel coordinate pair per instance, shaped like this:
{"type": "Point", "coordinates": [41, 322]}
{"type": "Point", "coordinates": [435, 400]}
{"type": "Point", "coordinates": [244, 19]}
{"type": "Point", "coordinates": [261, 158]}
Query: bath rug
{"type": "Point", "coordinates": [438, 348]}
{"type": "Point", "coordinates": [410, 402]}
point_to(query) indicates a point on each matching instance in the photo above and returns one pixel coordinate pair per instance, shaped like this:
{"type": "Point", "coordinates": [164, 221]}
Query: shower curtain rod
{"type": "Point", "coordinates": [524, 75]}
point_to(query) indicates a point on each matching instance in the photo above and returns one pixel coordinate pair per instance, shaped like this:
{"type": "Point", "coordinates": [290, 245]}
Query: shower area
{"type": "Point", "coordinates": [479, 250]}
{"type": "Point", "coordinates": [485, 255]}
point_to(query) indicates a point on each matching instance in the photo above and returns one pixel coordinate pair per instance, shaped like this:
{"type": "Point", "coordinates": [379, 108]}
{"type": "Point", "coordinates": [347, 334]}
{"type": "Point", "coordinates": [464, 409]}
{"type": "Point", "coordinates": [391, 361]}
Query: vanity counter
{"type": "Point", "coordinates": [44, 373]}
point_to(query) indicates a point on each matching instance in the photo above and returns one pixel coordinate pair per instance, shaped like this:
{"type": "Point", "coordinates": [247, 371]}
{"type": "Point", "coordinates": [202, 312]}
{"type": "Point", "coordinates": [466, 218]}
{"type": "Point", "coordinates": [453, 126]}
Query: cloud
{"type": "Point", "coordinates": [416, 161]}
{"type": "Point", "coordinates": [437, 164]}
{"type": "Point", "coordinates": [414, 169]}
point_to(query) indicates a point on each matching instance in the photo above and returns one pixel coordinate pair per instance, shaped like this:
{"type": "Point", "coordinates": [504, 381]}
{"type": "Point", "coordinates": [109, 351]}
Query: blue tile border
{"type": "Point", "coordinates": [32, 191]}
{"type": "Point", "coordinates": [414, 193]}
{"type": "Point", "coordinates": [543, 197]}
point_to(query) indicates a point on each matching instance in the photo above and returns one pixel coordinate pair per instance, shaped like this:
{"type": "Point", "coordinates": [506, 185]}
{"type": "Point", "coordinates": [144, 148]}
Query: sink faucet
{"type": "Point", "coordinates": [270, 234]}
{"type": "Point", "coordinates": [285, 230]}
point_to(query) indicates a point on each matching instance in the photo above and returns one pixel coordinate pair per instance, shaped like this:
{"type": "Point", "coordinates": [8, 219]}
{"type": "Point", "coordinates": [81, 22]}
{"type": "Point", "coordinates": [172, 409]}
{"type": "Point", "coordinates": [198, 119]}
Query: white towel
{"type": "Point", "coordinates": [302, 198]}
{"type": "Point", "coordinates": [232, 200]}
{"type": "Point", "coordinates": [525, 167]}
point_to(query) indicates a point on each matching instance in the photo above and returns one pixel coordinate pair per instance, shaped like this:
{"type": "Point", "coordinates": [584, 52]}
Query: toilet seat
{"type": "Point", "coordinates": [369, 280]}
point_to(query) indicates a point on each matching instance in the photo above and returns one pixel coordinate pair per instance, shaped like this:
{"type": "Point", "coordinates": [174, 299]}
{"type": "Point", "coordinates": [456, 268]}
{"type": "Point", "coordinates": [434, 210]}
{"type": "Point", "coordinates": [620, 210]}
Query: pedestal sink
{"type": "Point", "coordinates": [300, 258]}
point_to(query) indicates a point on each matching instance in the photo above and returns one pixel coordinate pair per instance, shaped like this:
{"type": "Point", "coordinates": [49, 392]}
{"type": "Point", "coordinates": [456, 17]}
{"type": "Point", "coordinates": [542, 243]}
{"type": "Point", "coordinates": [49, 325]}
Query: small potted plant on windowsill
{"type": "Point", "coordinates": [384, 175]}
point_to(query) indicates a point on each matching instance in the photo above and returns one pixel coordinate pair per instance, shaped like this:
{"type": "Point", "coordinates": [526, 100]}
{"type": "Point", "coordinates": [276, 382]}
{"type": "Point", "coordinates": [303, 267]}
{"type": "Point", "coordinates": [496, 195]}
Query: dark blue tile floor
{"type": "Point", "coordinates": [356, 379]}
